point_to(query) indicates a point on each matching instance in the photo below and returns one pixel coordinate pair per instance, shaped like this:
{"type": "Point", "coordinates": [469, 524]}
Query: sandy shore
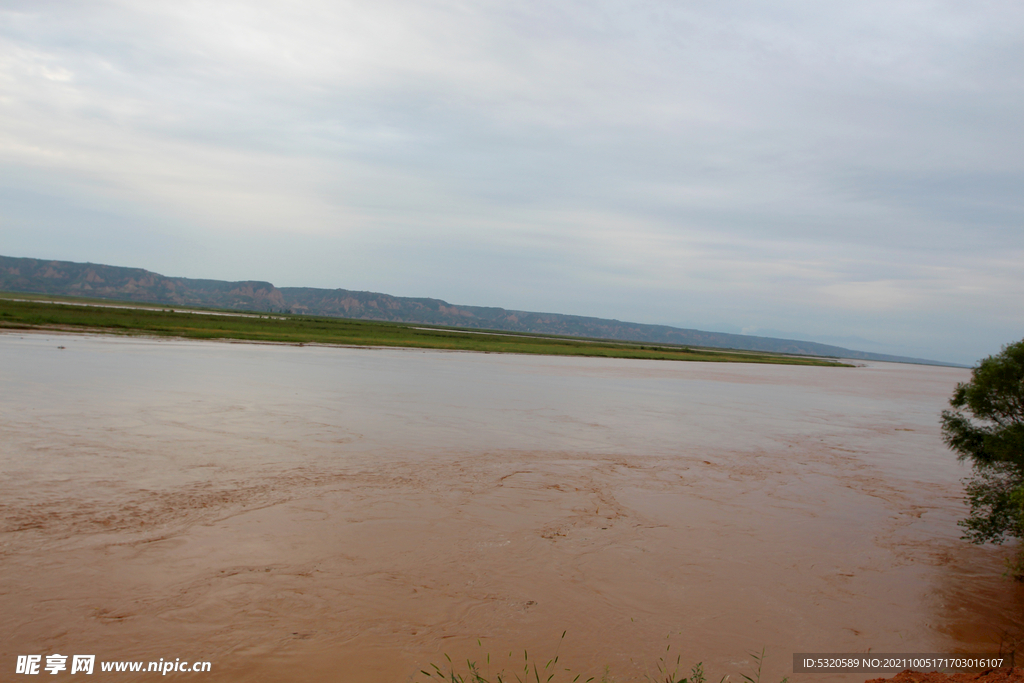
{"type": "Point", "coordinates": [1003, 675]}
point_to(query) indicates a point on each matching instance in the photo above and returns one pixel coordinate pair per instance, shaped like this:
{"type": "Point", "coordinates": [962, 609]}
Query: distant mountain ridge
{"type": "Point", "coordinates": [135, 284]}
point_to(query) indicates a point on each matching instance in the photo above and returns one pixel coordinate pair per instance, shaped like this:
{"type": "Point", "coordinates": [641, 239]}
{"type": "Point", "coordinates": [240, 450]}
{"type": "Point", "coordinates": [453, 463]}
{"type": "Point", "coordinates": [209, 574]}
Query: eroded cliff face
{"type": "Point", "coordinates": [133, 284]}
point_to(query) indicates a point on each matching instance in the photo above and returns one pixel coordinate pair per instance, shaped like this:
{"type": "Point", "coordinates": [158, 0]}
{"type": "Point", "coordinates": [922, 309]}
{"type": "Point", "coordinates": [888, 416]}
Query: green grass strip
{"type": "Point", "coordinates": [120, 318]}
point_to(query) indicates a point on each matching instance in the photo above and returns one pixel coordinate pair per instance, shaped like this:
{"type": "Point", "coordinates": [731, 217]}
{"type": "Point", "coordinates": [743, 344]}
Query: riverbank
{"type": "Point", "coordinates": [1005, 675]}
{"type": "Point", "coordinates": [18, 313]}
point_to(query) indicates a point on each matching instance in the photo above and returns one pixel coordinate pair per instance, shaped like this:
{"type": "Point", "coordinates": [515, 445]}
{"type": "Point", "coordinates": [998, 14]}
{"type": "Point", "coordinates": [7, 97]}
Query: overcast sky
{"type": "Point", "coordinates": [846, 172]}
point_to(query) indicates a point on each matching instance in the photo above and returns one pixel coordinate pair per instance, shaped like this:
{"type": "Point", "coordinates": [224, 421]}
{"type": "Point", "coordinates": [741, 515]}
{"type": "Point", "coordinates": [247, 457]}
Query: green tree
{"type": "Point", "coordinates": [987, 428]}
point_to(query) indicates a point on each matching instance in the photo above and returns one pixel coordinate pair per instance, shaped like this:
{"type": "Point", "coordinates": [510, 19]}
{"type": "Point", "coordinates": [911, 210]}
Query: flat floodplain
{"type": "Point", "coordinates": [28, 312]}
{"type": "Point", "coordinates": [304, 513]}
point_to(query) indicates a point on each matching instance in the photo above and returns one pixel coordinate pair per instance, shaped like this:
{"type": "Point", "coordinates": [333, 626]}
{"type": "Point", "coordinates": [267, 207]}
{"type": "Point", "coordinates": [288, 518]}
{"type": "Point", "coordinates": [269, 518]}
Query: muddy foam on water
{"type": "Point", "coordinates": [307, 514]}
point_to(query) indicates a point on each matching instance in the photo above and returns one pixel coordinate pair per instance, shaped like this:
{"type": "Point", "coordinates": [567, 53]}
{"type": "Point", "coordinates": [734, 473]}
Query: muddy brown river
{"type": "Point", "coordinates": [306, 513]}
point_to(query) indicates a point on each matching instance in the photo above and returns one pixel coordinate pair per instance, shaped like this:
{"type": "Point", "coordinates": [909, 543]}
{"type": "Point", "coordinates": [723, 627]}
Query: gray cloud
{"type": "Point", "coordinates": [834, 171]}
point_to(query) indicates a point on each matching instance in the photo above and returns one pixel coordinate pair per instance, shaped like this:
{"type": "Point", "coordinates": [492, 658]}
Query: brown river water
{"type": "Point", "coordinates": [333, 514]}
